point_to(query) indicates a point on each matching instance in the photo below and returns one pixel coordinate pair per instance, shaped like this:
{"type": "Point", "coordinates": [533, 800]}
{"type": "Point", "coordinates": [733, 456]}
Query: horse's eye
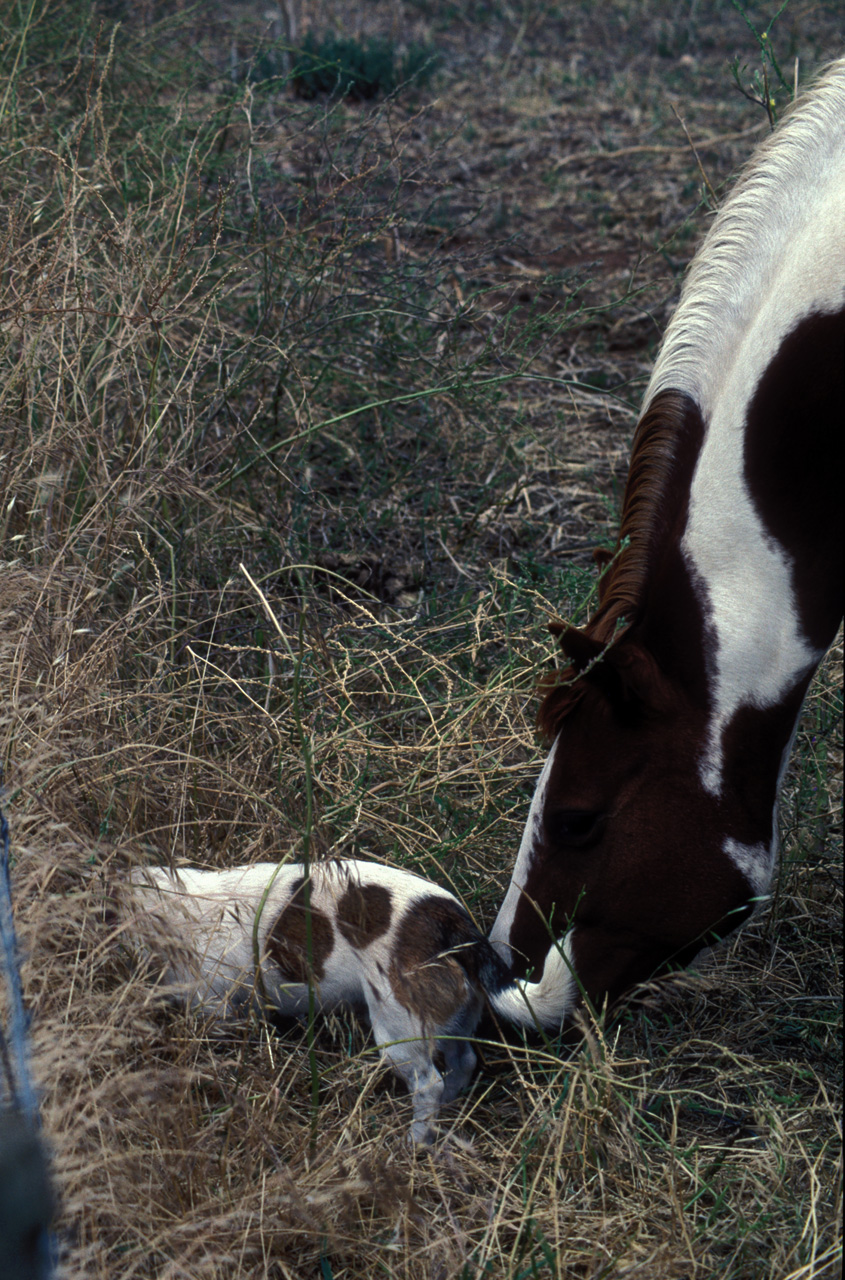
{"type": "Point", "coordinates": [575, 828]}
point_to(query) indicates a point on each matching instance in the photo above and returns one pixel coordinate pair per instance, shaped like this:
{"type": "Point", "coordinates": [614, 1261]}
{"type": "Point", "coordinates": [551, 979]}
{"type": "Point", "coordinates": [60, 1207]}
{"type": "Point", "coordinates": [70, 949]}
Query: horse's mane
{"type": "Point", "coordinates": [660, 433]}
{"type": "Point", "coordinates": [798, 168]}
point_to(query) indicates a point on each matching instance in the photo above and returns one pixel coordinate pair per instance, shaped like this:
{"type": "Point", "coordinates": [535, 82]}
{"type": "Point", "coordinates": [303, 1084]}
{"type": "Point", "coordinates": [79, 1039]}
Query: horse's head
{"type": "Point", "coordinates": [626, 849]}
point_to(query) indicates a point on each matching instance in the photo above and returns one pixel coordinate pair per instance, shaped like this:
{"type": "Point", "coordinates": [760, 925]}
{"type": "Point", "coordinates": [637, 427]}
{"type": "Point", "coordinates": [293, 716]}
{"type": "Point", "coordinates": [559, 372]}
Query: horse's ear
{"type": "Point", "coordinates": [625, 672]}
{"type": "Point", "coordinates": [635, 680]}
{"type": "Point", "coordinates": [579, 648]}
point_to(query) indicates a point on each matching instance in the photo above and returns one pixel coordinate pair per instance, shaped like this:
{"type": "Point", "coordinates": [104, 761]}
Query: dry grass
{"type": "Point", "coordinates": [340, 346]}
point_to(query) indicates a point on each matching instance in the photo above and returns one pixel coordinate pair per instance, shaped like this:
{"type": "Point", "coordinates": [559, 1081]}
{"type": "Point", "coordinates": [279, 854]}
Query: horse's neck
{"type": "Point", "coordinates": [758, 343]}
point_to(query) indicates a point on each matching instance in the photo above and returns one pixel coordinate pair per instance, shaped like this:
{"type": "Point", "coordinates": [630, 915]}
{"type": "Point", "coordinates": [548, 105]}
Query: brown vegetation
{"type": "Point", "coordinates": [312, 412]}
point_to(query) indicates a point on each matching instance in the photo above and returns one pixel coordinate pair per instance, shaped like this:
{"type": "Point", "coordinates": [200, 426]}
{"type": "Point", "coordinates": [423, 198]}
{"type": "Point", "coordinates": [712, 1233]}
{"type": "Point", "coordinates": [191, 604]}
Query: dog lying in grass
{"type": "Point", "coordinates": [364, 934]}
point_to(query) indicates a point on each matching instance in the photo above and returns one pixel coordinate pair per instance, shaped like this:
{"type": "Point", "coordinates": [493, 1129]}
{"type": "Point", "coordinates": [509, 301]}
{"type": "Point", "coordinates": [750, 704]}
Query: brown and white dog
{"type": "Point", "coordinates": [396, 944]}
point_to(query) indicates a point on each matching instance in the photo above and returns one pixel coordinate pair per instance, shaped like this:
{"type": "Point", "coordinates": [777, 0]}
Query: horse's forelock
{"type": "Point", "coordinates": [623, 672]}
{"type": "Point", "coordinates": [561, 690]}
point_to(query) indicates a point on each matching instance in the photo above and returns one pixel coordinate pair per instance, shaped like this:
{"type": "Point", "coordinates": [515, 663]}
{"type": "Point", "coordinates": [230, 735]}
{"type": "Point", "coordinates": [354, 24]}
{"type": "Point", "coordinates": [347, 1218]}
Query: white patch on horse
{"type": "Point", "coordinates": [755, 861]}
{"type": "Point", "coordinates": [760, 650]}
{"type": "Point", "coordinates": [745, 293]}
{"type": "Point", "coordinates": [531, 836]}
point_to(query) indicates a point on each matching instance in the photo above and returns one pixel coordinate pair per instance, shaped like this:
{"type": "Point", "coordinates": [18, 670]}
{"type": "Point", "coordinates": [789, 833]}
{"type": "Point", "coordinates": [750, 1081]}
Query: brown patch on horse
{"type": "Point", "coordinates": [794, 463]}
{"type": "Point", "coordinates": [752, 743]}
{"type": "Point", "coordinates": [363, 913]}
{"type": "Point", "coordinates": [666, 445]}
{"type": "Point", "coordinates": [434, 952]}
{"type": "Point", "coordinates": [287, 941]}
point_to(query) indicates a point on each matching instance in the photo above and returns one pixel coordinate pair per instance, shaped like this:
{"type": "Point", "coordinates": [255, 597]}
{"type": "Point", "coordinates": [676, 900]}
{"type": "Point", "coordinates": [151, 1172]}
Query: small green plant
{"type": "Point", "coordinates": [763, 84]}
{"type": "Point", "coordinates": [359, 69]}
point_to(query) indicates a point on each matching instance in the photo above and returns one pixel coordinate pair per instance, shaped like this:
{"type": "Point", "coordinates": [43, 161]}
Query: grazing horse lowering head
{"type": "Point", "coordinates": [652, 831]}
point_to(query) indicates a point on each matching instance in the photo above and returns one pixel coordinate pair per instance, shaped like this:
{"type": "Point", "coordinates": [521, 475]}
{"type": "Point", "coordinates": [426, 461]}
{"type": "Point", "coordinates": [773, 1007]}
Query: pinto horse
{"type": "Point", "coordinates": [653, 827]}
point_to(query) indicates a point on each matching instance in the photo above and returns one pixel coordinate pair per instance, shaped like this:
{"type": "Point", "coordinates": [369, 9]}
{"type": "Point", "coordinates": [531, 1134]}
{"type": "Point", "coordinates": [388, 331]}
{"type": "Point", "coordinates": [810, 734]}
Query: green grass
{"type": "Point", "coordinates": [359, 69]}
